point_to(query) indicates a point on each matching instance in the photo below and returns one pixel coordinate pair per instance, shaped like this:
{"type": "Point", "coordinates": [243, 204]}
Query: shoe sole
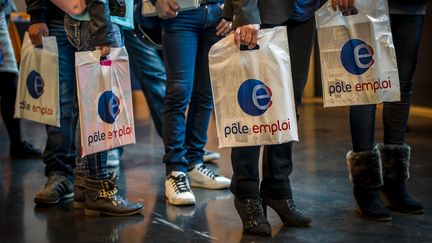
{"type": "Point", "coordinates": [213, 187]}
{"type": "Point", "coordinates": [98, 213]}
{"type": "Point", "coordinates": [181, 202]}
{"type": "Point", "coordinates": [382, 219]}
{"type": "Point", "coordinates": [62, 199]}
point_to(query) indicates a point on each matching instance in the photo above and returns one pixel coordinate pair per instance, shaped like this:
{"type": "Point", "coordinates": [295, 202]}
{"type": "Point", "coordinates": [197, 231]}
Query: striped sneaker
{"type": "Point", "coordinates": [57, 188]}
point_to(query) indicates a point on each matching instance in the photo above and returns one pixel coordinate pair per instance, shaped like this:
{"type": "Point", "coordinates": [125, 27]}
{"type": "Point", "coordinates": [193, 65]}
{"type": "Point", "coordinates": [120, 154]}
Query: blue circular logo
{"type": "Point", "coordinates": [108, 106]}
{"type": "Point", "coordinates": [254, 97]}
{"type": "Point", "coordinates": [35, 84]}
{"type": "Point", "coordinates": [357, 56]}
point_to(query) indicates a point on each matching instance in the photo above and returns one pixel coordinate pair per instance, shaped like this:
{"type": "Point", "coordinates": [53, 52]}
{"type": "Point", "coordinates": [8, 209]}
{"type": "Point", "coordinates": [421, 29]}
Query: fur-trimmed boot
{"type": "Point", "coordinates": [79, 188]}
{"type": "Point", "coordinates": [102, 197]}
{"type": "Point", "coordinates": [365, 172]}
{"type": "Point", "coordinates": [395, 160]}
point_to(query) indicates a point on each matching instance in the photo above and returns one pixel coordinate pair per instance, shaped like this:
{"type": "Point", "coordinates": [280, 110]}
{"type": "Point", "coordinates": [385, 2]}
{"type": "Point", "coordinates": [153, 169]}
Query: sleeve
{"type": "Point", "coordinates": [243, 12]}
{"type": "Point", "coordinates": [100, 23]}
{"type": "Point", "coordinates": [37, 10]}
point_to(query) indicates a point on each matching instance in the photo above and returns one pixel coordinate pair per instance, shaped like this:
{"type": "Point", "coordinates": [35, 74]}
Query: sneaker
{"type": "Point", "coordinates": [24, 150]}
{"type": "Point", "coordinates": [177, 189]}
{"type": "Point", "coordinates": [57, 188]}
{"type": "Point", "coordinates": [114, 157]}
{"type": "Point", "coordinates": [204, 177]}
{"type": "Point", "coordinates": [210, 156]}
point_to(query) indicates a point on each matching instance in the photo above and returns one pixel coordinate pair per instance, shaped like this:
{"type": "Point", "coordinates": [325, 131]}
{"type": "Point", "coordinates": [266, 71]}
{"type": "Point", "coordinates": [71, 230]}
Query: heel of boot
{"type": "Point", "coordinates": [91, 212]}
{"type": "Point", "coordinates": [78, 205]}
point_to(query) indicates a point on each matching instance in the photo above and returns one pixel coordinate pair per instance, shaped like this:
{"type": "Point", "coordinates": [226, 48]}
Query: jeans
{"type": "Point", "coordinates": [186, 42]}
{"type": "Point", "coordinates": [406, 30]}
{"type": "Point", "coordinates": [60, 151]}
{"type": "Point", "coordinates": [149, 69]}
{"type": "Point", "coordinates": [95, 165]}
{"type": "Point", "coordinates": [277, 159]}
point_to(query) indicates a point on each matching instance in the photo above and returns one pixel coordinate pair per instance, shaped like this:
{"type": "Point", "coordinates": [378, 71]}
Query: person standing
{"type": "Point", "coordinates": [251, 196]}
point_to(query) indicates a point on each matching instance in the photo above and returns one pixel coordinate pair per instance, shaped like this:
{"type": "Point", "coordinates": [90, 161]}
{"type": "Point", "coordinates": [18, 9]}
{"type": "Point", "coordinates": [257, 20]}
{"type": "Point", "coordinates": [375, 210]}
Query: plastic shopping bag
{"type": "Point", "coordinates": [38, 83]}
{"type": "Point", "coordinates": [253, 92]}
{"type": "Point", "coordinates": [358, 61]}
{"type": "Point", "coordinates": [105, 100]}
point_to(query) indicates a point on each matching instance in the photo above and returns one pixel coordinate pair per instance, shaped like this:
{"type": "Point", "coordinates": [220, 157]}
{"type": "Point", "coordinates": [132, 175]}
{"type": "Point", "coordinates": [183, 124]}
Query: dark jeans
{"type": "Point", "coordinates": [277, 159]}
{"type": "Point", "coordinates": [95, 165]}
{"type": "Point", "coordinates": [8, 92]}
{"type": "Point", "coordinates": [406, 30]}
{"type": "Point", "coordinates": [187, 40]}
{"type": "Point", "coordinates": [60, 152]}
{"type": "Point", "coordinates": [147, 64]}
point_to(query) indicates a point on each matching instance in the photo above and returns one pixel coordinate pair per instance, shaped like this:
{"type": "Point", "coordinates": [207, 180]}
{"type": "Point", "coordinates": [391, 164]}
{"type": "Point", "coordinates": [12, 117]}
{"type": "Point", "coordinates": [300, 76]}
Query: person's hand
{"type": "Point", "coordinates": [105, 50]}
{"type": "Point", "coordinates": [223, 28]}
{"type": "Point", "coordinates": [346, 6]}
{"type": "Point", "coordinates": [167, 9]}
{"type": "Point", "coordinates": [36, 31]}
{"type": "Point", "coordinates": [247, 35]}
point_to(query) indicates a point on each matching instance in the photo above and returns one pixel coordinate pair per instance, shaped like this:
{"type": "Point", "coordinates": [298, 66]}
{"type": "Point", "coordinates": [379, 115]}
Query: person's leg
{"type": "Point", "coordinates": [148, 66]}
{"type": "Point", "coordinates": [60, 153]}
{"type": "Point", "coordinates": [395, 154]}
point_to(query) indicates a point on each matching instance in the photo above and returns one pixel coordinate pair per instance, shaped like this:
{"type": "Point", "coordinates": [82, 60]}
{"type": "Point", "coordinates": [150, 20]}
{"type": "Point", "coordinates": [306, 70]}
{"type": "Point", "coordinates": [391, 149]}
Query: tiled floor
{"type": "Point", "coordinates": [320, 184]}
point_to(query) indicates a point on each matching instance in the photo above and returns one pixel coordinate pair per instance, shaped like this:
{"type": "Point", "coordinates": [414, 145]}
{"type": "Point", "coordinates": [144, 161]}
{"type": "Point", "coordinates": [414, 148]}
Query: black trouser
{"type": "Point", "coordinates": [277, 159]}
{"type": "Point", "coordinates": [406, 30]}
{"type": "Point", "coordinates": [8, 91]}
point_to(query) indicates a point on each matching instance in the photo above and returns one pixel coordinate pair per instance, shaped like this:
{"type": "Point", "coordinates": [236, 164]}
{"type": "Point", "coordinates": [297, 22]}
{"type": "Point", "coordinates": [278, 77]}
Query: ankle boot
{"type": "Point", "coordinates": [79, 188]}
{"type": "Point", "coordinates": [287, 211]}
{"type": "Point", "coordinates": [252, 216]}
{"type": "Point", "coordinates": [395, 160]}
{"type": "Point", "coordinates": [102, 197]}
{"type": "Point", "coordinates": [366, 174]}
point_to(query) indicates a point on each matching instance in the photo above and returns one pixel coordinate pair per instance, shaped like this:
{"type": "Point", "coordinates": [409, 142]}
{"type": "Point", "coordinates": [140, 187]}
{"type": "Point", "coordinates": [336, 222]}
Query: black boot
{"type": "Point", "coordinates": [252, 216]}
{"type": "Point", "coordinates": [101, 197]}
{"type": "Point", "coordinates": [287, 211]}
{"type": "Point", "coordinates": [366, 174]}
{"type": "Point", "coordinates": [395, 160]}
{"type": "Point", "coordinates": [79, 188]}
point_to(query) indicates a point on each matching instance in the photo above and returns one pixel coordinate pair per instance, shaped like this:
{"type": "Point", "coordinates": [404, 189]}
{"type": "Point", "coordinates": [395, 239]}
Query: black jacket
{"type": "Point", "coordinates": [43, 11]}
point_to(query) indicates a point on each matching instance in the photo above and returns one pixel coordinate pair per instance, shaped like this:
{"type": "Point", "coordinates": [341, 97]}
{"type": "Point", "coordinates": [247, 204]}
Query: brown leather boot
{"type": "Point", "coordinates": [102, 198]}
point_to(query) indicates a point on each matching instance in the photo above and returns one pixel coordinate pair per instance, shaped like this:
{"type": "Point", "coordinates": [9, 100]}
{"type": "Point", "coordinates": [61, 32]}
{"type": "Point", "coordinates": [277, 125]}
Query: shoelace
{"type": "Point", "coordinates": [180, 184]}
{"type": "Point", "coordinates": [206, 171]}
{"type": "Point", "coordinates": [53, 181]}
{"type": "Point", "coordinates": [253, 208]}
{"type": "Point", "coordinates": [293, 207]}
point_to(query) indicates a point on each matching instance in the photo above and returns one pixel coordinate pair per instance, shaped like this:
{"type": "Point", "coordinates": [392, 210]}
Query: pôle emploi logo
{"type": "Point", "coordinates": [357, 57]}
{"type": "Point", "coordinates": [36, 88]}
{"type": "Point", "coordinates": [254, 99]}
{"type": "Point", "coordinates": [108, 111]}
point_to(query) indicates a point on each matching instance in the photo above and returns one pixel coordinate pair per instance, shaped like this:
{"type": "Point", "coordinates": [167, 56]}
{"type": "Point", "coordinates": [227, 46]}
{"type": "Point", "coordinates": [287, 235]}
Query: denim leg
{"type": "Point", "coordinates": [147, 64]}
{"type": "Point", "coordinates": [60, 152]}
{"type": "Point", "coordinates": [95, 164]}
{"type": "Point", "coordinates": [406, 30]}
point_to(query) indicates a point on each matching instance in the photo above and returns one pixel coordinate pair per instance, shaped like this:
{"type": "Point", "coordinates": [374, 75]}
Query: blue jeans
{"type": "Point", "coordinates": [406, 30]}
{"type": "Point", "coordinates": [95, 165]}
{"type": "Point", "coordinates": [186, 42]}
{"type": "Point", "coordinates": [60, 152]}
{"type": "Point", "coordinates": [147, 64]}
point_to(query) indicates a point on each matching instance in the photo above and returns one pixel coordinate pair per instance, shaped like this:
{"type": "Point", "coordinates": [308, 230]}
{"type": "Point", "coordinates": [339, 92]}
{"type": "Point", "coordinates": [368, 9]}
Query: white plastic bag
{"type": "Point", "coordinates": [253, 92]}
{"type": "Point", "coordinates": [358, 61]}
{"type": "Point", "coordinates": [105, 100]}
{"type": "Point", "coordinates": [38, 83]}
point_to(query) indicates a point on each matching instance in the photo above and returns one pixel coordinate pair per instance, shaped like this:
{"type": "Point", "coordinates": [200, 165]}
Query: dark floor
{"type": "Point", "coordinates": [320, 184]}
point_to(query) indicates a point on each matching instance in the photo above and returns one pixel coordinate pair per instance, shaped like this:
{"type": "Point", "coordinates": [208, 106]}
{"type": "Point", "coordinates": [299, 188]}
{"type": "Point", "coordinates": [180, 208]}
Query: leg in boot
{"type": "Point", "coordinates": [102, 198]}
{"type": "Point", "coordinates": [366, 175]}
{"type": "Point", "coordinates": [395, 160]}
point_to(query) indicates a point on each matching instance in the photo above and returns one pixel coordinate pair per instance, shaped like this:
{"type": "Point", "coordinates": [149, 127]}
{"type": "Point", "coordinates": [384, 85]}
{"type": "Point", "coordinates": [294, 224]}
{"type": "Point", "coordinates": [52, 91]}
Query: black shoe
{"type": "Point", "coordinates": [57, 188]}
{"type": "Point", "coordinates": [24, 150]}
{"type": "Point", "coordinates": [102, 198]}
{"type": "Point", "coordinates": [252, 216]}
{"type": "Point", "coordinates": [395, 192]}
{"type": "Point", "coordinates": [287, 211]}
{"type": "Point", "coordinates": [370, 205]}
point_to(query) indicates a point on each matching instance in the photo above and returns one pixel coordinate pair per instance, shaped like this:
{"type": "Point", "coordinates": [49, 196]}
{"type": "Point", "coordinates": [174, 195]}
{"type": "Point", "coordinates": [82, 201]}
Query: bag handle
{"type": "Point", "coordinates": [246, 48]}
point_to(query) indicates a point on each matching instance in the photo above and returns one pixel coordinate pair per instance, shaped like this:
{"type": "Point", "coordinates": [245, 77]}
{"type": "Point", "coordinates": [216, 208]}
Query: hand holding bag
{"type": "Point", "coordinates": [358, 61]}
{"type": "Point", "coordinates": [253, 92]}
{"type": "Point", "coordinates": [38, 82]}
